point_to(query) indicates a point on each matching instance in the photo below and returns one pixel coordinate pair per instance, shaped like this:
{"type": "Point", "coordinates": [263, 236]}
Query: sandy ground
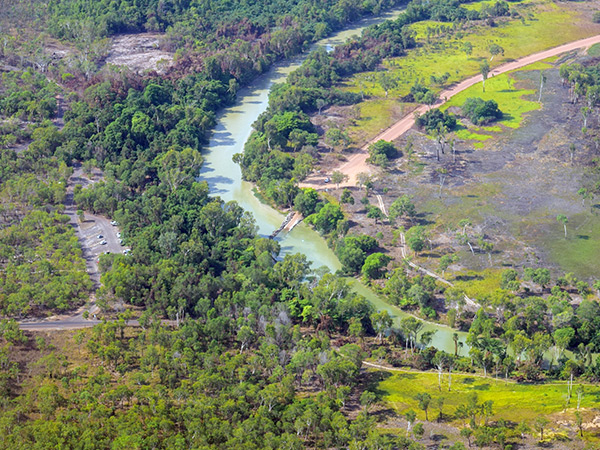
{"type": "Point", "coordinates": [357, 163]}
{"type": "Point", "coordinates": [139, 52]}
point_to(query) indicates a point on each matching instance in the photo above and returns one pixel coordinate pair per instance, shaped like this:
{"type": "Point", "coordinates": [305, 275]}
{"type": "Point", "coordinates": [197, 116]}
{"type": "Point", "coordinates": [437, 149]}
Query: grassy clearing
{"type": "Point", "coordinates": [464, 133]}
{"type": "Point", "coordinates": [594, 50]}
{"type": "Point", "coordinates": [510, 99]}
{"type": "Point", "coordinates": [478, 284]}
{"type": "Point", "coordinates": [375, 115]}
{"type": "Point", "coordinates": [540, 65]}
{"type": "Point", "coordinates": [512, 402]}
{"type": "Point", "coordinates": [579, 252]}
{"type": "Point", "coordinates": [478, 5]}
{"type": "Point", "coordinates": [422, 29]}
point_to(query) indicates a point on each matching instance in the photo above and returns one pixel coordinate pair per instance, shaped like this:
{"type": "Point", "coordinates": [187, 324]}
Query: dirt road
{"type": "Point", "coordinates": [357, 163]}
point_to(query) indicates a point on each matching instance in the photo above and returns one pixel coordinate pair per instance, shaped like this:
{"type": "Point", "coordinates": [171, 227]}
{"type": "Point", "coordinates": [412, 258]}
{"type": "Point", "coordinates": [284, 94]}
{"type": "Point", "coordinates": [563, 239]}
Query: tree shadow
{"type": "Point", "coordinates": [430, 255]}
{"type": "Point", "coordinates": [437, 437]}
{"type": "Point", "coordinates": [469, 277]}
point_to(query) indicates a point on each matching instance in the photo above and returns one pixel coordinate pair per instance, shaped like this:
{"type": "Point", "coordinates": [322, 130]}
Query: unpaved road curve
{"type": "Point", "coordinates": [395, 369]}
{"type": "Point", "coordinates": [357, 163]}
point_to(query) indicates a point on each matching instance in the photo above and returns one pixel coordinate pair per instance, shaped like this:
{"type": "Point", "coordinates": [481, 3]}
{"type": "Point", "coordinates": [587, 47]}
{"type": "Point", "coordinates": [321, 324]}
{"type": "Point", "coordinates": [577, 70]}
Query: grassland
{"type": "Point", "coordinates": [375, 115]}
{"type": "Point", "coordinates": [512, 402]}
{"type": "Point", "coordinates": [478, 284]}
{"type": "Point", "coordinates": [594, 50]}
{"type": "Point", "coordinates": [506, 93]}
{"type": "Point", "coordinates": [476, 201]}
{"type": "Point", "coordinates": [579, 251]}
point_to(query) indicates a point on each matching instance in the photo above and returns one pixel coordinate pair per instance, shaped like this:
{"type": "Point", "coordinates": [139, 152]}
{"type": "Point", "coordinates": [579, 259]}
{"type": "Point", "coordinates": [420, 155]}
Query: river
{"type": "Point", "coordinates": [234, 125]}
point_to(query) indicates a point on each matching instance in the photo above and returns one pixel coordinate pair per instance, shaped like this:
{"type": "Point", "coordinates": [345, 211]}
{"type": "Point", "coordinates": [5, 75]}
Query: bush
{"type": "Point", "coordinates": [433, 118]}
{"type": "Point", "coordinates": [596, 17]}
{"type": "Point", "coordinates": [381, 152]}
{"type": "Point", "coordinates": [307, 201]}
{"type": "Point", "coordinates": [326, 220]}
{"type": "Point", "coordinates": [480, 111]}
{"type": "Point", "coordinates": [374, 265]}
{"type": "Point", "coordinates": [429, 312]}
{"type": "Point", "coordinates": [352, 251]}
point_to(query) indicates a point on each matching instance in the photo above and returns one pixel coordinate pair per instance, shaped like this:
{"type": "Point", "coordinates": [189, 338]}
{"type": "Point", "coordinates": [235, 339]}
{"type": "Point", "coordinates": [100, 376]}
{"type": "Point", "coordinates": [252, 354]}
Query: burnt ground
{"type": "Point", "coordinates": [511, 189]}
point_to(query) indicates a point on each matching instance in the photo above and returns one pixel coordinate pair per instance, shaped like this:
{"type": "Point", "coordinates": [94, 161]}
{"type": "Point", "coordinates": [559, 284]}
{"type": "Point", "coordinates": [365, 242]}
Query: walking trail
{"type": "Point", "coordinates": [468, 301]}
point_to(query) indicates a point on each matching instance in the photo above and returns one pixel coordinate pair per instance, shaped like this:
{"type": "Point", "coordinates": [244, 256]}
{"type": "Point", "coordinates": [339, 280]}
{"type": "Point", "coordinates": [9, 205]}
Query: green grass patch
{"type": "Point", "coordinates": [540, 65]}
{"type": "Point", "coordinates": [594, 50]}
{"type": "Point", "coordinates": [477, 6]}
{"type": "Point", "coordinates": [501, 89]}
{"type": "Point", "coordinates": [424, 29]}
{"type": "Point", "coordinates": [375, 115]}
{"type": "Point", "coordinates": [579, 252]}
{"type": "Point", "coordinates": [478, 284]}
{"type": "Point", "coordinates": [512, 402]}
{"type": "Point", "coordinates": [493, 128]}
{"type": "Point", "coordinates": [469, 134]}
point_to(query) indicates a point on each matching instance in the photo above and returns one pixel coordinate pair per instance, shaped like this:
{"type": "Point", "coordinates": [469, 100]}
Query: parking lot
{"type": "Point", "coordinates": [100, 236]}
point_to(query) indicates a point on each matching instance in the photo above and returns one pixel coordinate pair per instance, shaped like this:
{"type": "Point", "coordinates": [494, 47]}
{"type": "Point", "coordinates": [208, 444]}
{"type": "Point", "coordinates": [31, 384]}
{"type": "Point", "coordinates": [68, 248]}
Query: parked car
{"type": "Point", "coordinates": [114, 223]}
{"type": "Point", "coordinates": [100, 236]}
{"type": "Point", "coordinates": [103, 243]}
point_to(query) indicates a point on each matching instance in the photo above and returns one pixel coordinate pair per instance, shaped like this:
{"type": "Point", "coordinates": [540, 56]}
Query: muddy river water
{"type": "Point", "coordinates": [224, 177]}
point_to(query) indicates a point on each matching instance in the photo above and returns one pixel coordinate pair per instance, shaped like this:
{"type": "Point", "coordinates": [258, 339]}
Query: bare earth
{"type": "Point", "coordinates": [139, 52]}
{"type": "Point", "coordinates": [357, 163]}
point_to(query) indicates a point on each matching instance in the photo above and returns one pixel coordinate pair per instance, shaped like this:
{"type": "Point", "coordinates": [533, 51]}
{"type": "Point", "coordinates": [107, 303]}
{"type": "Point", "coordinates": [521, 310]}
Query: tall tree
{"type": "Point", "coordinates": [561, 218]}
{"type": "Point", "coordinates": [338, 177]}
{"type": "Point", "coordinates": [484, 70]}
{"type": "Point", "coordinates": [424, 400]}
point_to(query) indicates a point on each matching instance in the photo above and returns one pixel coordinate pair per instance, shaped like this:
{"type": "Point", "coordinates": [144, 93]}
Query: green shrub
{"type": "Point", "coordinates": [480, 111]}
{"type": "Point", "coordinates": [435, 118]}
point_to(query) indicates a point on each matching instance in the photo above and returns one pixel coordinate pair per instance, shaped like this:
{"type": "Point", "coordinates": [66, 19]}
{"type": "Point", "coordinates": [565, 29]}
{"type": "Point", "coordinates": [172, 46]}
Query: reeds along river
{"type": "Point", "coordinates": [224, 177]}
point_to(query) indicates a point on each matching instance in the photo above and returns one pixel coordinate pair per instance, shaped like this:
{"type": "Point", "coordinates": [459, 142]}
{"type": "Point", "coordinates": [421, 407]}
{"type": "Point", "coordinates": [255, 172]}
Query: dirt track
{"type": "Point", "coordinates": [357, 163]}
